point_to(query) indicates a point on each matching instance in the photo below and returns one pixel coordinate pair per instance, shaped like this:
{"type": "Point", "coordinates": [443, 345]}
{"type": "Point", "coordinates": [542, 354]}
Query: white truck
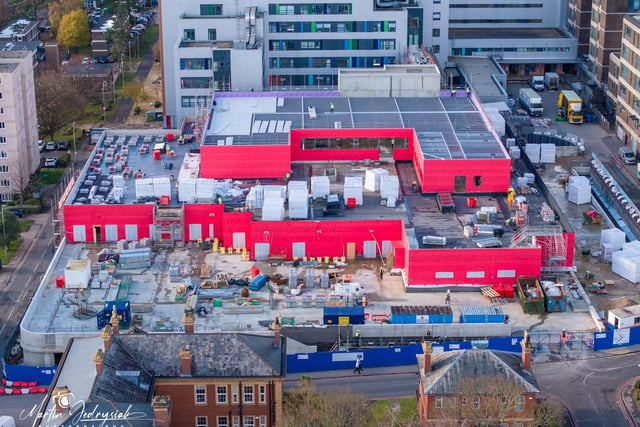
{"type": "Point", "coordinates": [349, 290]}
{"type": "Point", "coordinates": [531, 102]}
{"type": "Point", "coordinates": [552, 81]}
{"type": "Point", "coordinates": [537, 83]}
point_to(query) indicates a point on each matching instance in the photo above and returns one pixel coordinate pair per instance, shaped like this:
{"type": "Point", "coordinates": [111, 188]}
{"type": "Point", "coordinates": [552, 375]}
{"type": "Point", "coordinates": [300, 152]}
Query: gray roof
{"type": "Point", "coordinates": [138, 415]}
{"type": "Point", "coordinates": [133, 361]}
{"type": "Point", "coordinates": [448, 368]}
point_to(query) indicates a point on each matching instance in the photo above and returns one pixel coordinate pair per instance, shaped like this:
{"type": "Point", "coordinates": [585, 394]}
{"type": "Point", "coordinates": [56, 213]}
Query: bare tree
{"type": "Point", "coordinates": [57, 102]}
{"type": "Point", "coordinates": [547, 413]}
{"type": "Point", "coordinates": [19, 178]}
{"type": "Point", "coordinates": [306, 407]}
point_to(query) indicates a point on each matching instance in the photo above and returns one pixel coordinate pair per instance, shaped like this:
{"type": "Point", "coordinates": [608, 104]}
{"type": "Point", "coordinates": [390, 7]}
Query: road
{"type": "Point", "coordinates": [589, 387]}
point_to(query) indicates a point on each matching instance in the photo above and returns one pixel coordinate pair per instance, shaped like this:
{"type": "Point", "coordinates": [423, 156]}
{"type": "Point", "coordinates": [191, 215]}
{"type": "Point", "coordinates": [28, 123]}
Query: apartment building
{"type": "Point", "coordinates": [579, 24]}
{"type": "Point", "coordinates": [624, 82]}
{"type": "Point", "coordinates": [19, 155]}
{"type": "Point", "coordinates": [606, 33]}
{"type": "Point", "coordinates": [259, 45]}
{"type": "Point", "coordinates": [526, 36]}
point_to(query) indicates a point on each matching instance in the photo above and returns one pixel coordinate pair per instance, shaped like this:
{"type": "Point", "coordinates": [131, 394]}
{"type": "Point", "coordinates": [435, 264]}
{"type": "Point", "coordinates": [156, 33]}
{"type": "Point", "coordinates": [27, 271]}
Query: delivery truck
{"type": "Point", "coordinates": [570, 107]}
{"type": "Point", "coordinates": [531, 102]}
{"type": "Point", "coordinates": [537, 83]}
{"type": "Point", "coordinates": [552, 81]}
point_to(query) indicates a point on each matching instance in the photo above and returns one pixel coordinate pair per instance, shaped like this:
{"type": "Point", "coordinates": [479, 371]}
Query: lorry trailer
{"type": "Point", "coordinates": [531, 102]}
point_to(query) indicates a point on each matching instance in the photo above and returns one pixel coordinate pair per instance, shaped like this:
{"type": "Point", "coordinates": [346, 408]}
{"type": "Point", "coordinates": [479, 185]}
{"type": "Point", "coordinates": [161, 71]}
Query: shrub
{"type": "Point", "coordinates": [136, 110]}
{"type": "Point", "coordinates": [64, 160]}
{"type": "Point", "coordinates": [157, 104]}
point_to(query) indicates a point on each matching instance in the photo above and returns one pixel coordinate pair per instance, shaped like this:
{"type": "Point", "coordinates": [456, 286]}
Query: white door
{"type": "Point", "coordinates": [152, 231]}
{"type": "Point", "coordinates": [369, 249]}
{"type": "Point", "coordinates": [261, 251]}
{"type": "Point", "coordinates": [239, 241]}
{"type": "Point", "coordinates": [79, 233]}
{"type": "Point", "coordinates": [195, 232]}
{"type": "Point", "coordinates": [111, 233]}
{"type": "Point", "coordinates": [386, 247]}
{"type": "Point", "coordinates": [299, 249]}
{"type": "Point", "coordinates": [131, 232]}
{"type": "Point", "coordinates": [211, 235]}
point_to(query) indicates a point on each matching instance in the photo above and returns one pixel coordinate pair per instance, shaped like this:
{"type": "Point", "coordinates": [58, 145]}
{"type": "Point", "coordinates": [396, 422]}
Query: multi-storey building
{"type": "Point", "coordinates": [256, 45]}
{"type": "Point", "coordinates": [525, 36]}
{"type": "Point", "coordinates": [624, 82]}
{"type": "Point", "coordinates": [19, 155]}
{"type": "Point", "coordinates": [605, 34]}
{"type": "Point", "coordinates": [579, 24]}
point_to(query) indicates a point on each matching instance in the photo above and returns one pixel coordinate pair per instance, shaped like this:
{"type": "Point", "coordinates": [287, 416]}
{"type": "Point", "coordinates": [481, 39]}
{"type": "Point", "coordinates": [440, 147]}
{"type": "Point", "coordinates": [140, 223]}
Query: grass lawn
{"type": "Point", "coordinates": [405, 411]}
{"type": "Point", "coordinates": [50, 176]}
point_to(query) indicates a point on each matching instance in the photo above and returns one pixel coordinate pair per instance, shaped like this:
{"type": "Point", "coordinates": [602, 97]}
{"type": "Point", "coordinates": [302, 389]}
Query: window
{"type": "Point", "coordinates": [519, 403]}
{"type": "Point", "coordinates": [506, 273]}
{"type": "Point", "coordinates": [477, 180]}
{"type": "Point", "coordinates": [236, 421]}
{"type": "Point", "coordinates": [435, 32]}
{"type": "Point", "coordinates": [210, 9]}
{"type": "Point", "coordinates": [3, 139]}
{"type": "Point", "coordinates": [2, 125]}
{"type": "Point", "coordinates": [4, 155]}
{"type": "Point", "coordinates": [435, 48]}
{"type": "Point", "coordinates": [1, 110]}
{"type": "Point", "coordinates": [463, 401]}
{"type": "Point", "coordinates": [436, 16]}
{"type": "Point", "coordinates": [234, 393]}
{"type": "Point", "coordinates": [221, 392]}
{"type": "Point", "coordinates": [263, 395]}
{"type": "Point", "coordinates": [4, 168]}
{"type": "Point", "coordinates": [201, 395]}
{"type": "Point", "coordinates": [475, 274]}
{"type": "Point", "coordinates": [444, 274]}
{"type": "Point", "coordinates": [211, 34]}
{"type": "Point", "coordinates": [201, 421]}
{"type": "Point", "coordinates": [248, 421]}
{"type": "Point", "coordinates": [263, 421]}
{"type": "Point", "coordinates": [439, 402]}
{"type": "Point", "coordinates": [189, 34]}
{"type": "Point", "coordinates": [247, 392]}
{"type": "Point", "coordinates": [476, 403]}
{"type": "Point", "coordinates": [5, 183]}
{"type": "Point", "coordinates": [223, 422]}
{"type": "Point", "coordinates": [195, 63]}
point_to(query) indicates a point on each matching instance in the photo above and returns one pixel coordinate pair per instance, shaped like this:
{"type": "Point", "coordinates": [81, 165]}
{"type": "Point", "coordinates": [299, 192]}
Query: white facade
{"type": "Point", "coordinates": [444, 18]}
{"type": "Point", "coordinates": [259, 45]}
{"type": "Point", "coordinates": [19, 156]}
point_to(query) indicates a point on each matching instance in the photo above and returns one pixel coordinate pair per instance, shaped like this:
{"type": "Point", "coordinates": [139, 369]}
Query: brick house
{"type": "Point", "coordinates": [477, 386]}
{"type": "Point", "coordinates": [176, 379]}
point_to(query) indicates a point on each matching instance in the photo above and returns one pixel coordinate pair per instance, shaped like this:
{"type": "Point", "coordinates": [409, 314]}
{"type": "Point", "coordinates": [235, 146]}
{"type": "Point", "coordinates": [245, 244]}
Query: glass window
{"type": "Point", "coordinates": [3, 139]}
{"type": "Point", "coordinates": [436, 16]}
{"type": "Point", "coordinates": [4, 168]}
{"type": "Point", "coordinates": [201, 421]}
{"type": "Point", "coordinates": [189, 34]}
{"type": "Point", "coordinates": [195, 82]}
{"type": "Point", "coordinates": [4, 155]}
{"type": "Point", "coordinates": [201, 393]}
{"type": "Point", "coordinates": [2, 125]}
{"type": "Point", "coordinates": [223, 422]}
{"type": "Point", "coordinates": [221, 392]}
{"type": "Point", "coordinates": [210, 9]}
{"type": "Point", "coordinates": [247, 391]}
{"type": "Point", "coordinates": [5, 183]}
{"type": "Point", "coordinates": [249, 421]}
{"type": "Point", "coordinates": [435, 32]}
{"type": "Point", "coordinates": [475, 402]}
{"type": "Point", "coordinates": [211, 34]}
{"type": "Point", "coordinates": [234, 393]}
{"type": "Point", "coordinates": [519, 403]}
{"type": "Point", "coordinates": [262, 394]}
{"type": "Point", "coordinates": [195, 63]}
{"type": "Point", "coordinates": [263, 421]}
{"type": "Point", "coordinates": [439, 402]}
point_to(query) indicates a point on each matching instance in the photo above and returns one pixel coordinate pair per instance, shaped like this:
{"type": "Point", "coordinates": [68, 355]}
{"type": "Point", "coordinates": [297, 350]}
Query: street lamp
{"type": "Point", "coordinates": [75, 151]}
{"type": "Point", "coordinates": [129, 43]}
{"type": "Point", "coordinates": [122, 68]}
{"type": "Point", "coordinates": [104, 102]}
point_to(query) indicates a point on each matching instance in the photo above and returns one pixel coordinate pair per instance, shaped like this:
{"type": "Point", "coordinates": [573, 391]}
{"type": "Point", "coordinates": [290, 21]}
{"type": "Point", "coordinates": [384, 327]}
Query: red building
{"type": "Point", "coordinates": [433, 145]}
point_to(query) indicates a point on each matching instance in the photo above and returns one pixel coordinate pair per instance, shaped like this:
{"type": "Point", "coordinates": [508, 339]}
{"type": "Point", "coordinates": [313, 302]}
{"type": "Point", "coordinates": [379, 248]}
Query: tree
{"type": "Point", "coordinates": [547, 413]}
{"type": "Point", "coordinates": [305, 407]}
{"type": "Point", "coordinates": [26, 8]}
{"type": "Point", "coordinates": [118, 36]}
{"type": "Point", "coordinates": [133, 90]}
{"type": "Point", "coordinates": [60, 8]}
{"type": "Point", "coordinates": [11, 229]}
{"type": "Point", "coordinates": [58, 103]}
{"type": "Point", "coordinates": [156, 51]}
{"type": "Point", "coordinates": [74, 30]}
{"type": "Point", "coordinates": [19, 177]}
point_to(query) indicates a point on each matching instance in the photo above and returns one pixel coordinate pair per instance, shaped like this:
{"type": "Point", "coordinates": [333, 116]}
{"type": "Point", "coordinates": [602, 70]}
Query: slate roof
{"type": "Point", "coordinates": [136, 415]}
{"type": "Point", "coordinates": [133, 361]}
{"type": "Point", "coordinates": [448, 368]}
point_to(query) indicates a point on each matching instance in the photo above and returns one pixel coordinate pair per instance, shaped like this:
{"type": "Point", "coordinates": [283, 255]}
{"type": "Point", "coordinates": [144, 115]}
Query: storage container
{"type": "Point", "coordinates": [343, 316]}
{"type": "Point", "coordinates": [482, 315]}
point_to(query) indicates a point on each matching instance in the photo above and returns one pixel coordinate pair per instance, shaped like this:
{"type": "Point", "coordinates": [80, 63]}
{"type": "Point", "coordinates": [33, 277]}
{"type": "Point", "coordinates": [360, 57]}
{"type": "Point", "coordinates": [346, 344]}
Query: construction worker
{"type": "Point", "coordinates": [364, 300]}
{"type": "Point", "coordinates": [331, 107]}
{"type": "Point", "coordinates": [453, 92]}
{"type": "Point", "coordinates": [564, 336]}
{"type": "Point", "coordinates": [356, 334]}
{"type": "Point", "coordinates": [219, 200]}
{"type": "Point", "coordinates": [468, 90]}
{"type": "Point", "coordinates": [447, 298]}
{"type": "Point", "coordinates": [381, 273]}
{"type": "Point", "coordinates": [393, 142]}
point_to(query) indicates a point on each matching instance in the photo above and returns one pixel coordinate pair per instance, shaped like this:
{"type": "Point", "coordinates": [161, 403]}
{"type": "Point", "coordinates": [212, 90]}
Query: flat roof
{"type": "Point", "coordinates": [479, 71]}
{"type": "Point", "coordinates": [446, 127]}
{"type": "Point", "coordinates": [507, 33]}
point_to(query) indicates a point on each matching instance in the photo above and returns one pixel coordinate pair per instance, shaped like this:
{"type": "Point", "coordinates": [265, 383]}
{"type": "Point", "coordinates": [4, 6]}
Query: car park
{"type": "Point", "coordinates": [63, 145]}
{"type": "Point", "coordinates": [51, 162]}
{"type": "Point", "coordinates": [51, 146]}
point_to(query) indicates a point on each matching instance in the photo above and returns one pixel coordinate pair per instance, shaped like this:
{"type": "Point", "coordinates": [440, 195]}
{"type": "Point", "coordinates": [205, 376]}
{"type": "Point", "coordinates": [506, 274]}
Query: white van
{"type": "Point", "coordinates": [6, 421]}
{"type": "Point", "coordinates": [627, 155]}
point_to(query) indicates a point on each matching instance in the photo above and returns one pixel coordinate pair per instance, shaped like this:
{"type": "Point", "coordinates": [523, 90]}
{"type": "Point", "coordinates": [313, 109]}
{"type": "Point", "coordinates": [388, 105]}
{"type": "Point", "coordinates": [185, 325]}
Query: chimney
{"type": "Point", "coordinates": [161, 406]}
{"type": "Point", "coordinates": [107, 337]}
{"type": "Point", "coordinates": [115, 321]}
{"type": "Point", "coordinates": [426, 361]}
{"type": "Point", "coordinates": [185, 357]}
{"type": "Point", "coordinates": [526, 352]}
{"type": "Point", "coordinates": [276, 331]}
{"type": "Point", "coordinates": [98, 359]}
{"type": "Point", "coordinates": [62, 399]}
{"type": "Point", "coordinates": [189, 321]}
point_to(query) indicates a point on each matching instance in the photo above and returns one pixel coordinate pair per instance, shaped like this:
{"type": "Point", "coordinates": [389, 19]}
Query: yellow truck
{"type": "Point", "coordinates": [570, 107]}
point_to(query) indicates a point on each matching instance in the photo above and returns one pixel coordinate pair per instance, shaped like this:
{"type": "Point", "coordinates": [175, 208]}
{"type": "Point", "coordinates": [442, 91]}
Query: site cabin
{"type": "Point", "coordinates": [626, 317]}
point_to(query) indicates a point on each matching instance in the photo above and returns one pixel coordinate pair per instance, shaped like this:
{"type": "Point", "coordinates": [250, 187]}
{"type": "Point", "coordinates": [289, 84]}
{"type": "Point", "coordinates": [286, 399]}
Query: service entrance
{"type": "Point", "coordinates": [460, 184]}
{"type": "Point", "coordinates": [97, 234]}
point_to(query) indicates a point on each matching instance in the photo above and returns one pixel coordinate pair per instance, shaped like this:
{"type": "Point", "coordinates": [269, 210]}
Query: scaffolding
{"type": "Point", "coordinates": [552, 241]}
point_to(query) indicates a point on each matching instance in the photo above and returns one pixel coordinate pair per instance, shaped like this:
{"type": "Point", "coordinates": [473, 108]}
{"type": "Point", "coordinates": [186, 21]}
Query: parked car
{"type": "Point", "coordinates": [102, 60]}
{"type": "Point", "coordinates": [85, 60]}
{"type": "Point", "coordinates": [51, 146]}
{"type": "Point", "coordinates": [17, 212]}
{"type": "Point", "coordinates": [51, 162]}
{"type": "Point", "coordinates": [63, 145]}
{"type": "Point", "coordinates": [41, 145]}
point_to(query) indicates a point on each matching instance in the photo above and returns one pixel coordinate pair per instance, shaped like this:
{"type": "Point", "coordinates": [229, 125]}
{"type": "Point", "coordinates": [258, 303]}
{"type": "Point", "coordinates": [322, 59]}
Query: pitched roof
{"type": "Point", "coordinates": [449, 368]}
